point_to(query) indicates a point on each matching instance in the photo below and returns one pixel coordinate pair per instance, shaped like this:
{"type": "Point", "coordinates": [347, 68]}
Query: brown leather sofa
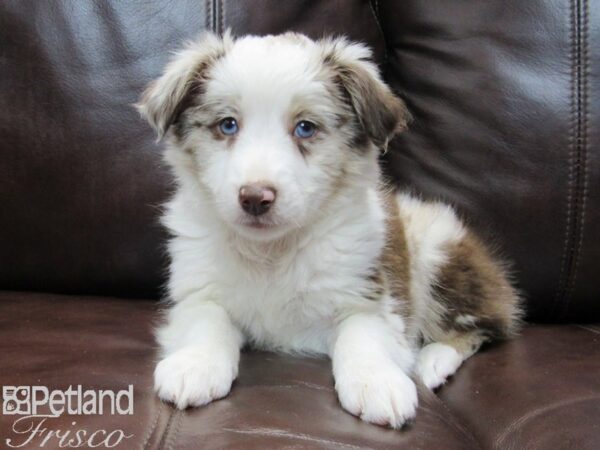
{"type": "Point", "coordinates": [505, 96]}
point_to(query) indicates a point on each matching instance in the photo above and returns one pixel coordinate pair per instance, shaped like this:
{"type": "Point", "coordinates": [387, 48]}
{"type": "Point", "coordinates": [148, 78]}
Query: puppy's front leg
{"type": "Point", "coordinates": [371, 359]}
{"type": "Point", "coordinates": [201, 351]}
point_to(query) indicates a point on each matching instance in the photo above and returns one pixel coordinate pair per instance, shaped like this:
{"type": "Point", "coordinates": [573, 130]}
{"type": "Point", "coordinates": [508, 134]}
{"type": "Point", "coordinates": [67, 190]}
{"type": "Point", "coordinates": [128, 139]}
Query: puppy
{"type": "Point", "coordinates": [284, 237]}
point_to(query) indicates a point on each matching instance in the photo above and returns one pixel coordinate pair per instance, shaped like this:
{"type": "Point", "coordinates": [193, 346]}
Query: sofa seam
{"type": "Point", "coordinates": [177, 426]}
{"type": "Point", "coordinates": [374, 6]}
{"type": "Point", "coordinates": [221, 14]}
{"type": "Point", "coordinates": [152, 428]}
{"type": "Point", "coordinates": [582, 143]}
{"type": "Point", "coordinates": [165, 437]}
{"type": "Point", "coordinates": [460, 426]}
{"type": "Point", "coordinates": [456, 422]}
{"type": "Point", "coordinates": [571, 139]}
{"type": "Point", "coordinates": [212, 16]}
{"type": "Point", "coordinates": [575, 213]}
{"type": "Point", "coordinates": [208, 20]}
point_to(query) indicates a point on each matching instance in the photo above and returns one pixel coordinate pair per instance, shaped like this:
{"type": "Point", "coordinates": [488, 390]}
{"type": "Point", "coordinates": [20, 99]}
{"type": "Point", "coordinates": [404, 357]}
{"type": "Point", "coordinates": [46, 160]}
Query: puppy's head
{"type": "Point", "coordinates": [273, 129]}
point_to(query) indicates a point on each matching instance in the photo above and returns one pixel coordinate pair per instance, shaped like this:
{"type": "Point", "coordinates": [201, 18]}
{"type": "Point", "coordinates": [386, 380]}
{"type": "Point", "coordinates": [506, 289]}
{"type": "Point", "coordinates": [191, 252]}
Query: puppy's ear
{"type": "Point", "coordinates": [166, 98]}
{"type": "Point", "coordinates": [380, 113]}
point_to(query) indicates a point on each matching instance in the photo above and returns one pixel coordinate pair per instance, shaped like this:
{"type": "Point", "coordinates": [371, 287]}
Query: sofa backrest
{"type": "Point", "coordinates": [503, 93]}
{"type": "Point", "coordinates": [506, 100]}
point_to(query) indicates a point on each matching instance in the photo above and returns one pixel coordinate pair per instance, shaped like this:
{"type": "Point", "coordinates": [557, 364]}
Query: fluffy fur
{"type": "Point", "coordinates": [385, 284]}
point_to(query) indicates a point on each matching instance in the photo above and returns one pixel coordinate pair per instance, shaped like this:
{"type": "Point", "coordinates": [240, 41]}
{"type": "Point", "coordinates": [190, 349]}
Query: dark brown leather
{"type": "Point", "coordinates": [99, 343]}
{"type": "Point", "coordinates": [505, 100]}
{"type": "Point", "coordinates": [504, 129]}
{"type": "Point", "coordinates": [81, 178]}
{"type": "Point", "coordinates": [539, 391]}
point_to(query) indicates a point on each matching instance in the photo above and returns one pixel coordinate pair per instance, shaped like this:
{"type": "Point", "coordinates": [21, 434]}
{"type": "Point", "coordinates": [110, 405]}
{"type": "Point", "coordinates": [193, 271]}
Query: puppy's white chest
{"type": "Point", "coordinates": [293, 305]}
{"type": "Point", "coordinates": [281, 311]}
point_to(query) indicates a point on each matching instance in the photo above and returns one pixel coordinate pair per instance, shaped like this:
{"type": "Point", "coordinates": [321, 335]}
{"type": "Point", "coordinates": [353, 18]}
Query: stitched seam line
{"type": "Point", "coordinates": [374, 5]}
{"type": "Point", "coordinates": [456, 422]}
{"type": "Point", "coordinates": [564, 258]}
{"type": "Point", "coordinates": [208, 14]}
{"type": "Point", "coordinates": [216, 16]}
{"type": "Point", "coordinates": [221, 19]}
{"type": "Point", "coordinates": [177, 426]}
{"type": "Point", "coordinates": [152, 428]}
{"type": "Point", "coordinates": [576, 151]}
{"type": "Point", "coordinates": [211, 15]}
{"type": "Point", "coordinates": [165, 436]}
{"type": "Point", "coordinates": [582, 144]}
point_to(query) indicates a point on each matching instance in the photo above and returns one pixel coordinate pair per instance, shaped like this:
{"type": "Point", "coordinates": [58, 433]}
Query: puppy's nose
{"type": "Point", "coordinates": [256, 199]}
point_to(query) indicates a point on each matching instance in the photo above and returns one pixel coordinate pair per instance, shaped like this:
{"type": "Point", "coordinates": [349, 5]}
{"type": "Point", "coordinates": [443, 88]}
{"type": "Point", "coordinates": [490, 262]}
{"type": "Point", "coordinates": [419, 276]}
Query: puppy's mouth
{"type": "Point", "coordinates": [257, 223]}
{"type": "Point", "coordinates": [264, 228]}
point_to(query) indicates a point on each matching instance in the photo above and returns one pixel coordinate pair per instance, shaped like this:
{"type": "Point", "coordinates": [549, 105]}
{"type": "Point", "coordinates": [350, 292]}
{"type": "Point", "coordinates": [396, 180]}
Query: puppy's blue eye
{"type": "Point", "coordinates": [305, 129]}
{"type": "Point", "coordinates": [228, 126]}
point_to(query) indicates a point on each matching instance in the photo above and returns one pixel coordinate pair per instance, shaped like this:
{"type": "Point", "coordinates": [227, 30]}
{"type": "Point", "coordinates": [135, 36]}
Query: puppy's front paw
{"type": "Point", "coordinates": [436, 363]}
{"type": "Point", "coordinates": [193, 377]}
{"type": "Point", "coordinates": [383, 395]}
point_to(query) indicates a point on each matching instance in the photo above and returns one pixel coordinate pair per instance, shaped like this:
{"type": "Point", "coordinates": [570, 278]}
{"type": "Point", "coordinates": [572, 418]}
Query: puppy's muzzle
{"type": "Point", "coordinates": [256, 199]}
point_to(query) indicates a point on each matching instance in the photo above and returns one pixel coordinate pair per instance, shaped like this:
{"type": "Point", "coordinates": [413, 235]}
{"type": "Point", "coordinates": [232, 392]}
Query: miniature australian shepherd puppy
{"type": "Point", "coordinates": [285, 238]}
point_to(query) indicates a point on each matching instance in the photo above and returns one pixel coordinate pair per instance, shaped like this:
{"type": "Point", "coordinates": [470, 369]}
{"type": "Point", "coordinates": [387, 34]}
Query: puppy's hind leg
{"type": "Point", "coordinates": [473, 303]}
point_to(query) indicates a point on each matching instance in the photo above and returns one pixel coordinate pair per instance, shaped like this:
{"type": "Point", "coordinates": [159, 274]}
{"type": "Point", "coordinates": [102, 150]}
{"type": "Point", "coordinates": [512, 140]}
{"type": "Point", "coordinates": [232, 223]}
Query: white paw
{"type": "Point", "coordinates": [383, 395]}
{"type": "Point", "coordinates": [193, 377]}
{"type": "Point", "coordinates": [436, 363]}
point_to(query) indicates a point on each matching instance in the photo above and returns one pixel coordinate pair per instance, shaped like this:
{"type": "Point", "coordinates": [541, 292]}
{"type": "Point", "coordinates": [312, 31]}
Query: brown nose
{"type": "Point", "coordinates": [256, 199]}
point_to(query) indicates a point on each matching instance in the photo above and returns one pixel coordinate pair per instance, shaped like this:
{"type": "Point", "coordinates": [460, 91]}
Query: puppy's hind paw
{"type": "Point", "coordinates": [436, 363]}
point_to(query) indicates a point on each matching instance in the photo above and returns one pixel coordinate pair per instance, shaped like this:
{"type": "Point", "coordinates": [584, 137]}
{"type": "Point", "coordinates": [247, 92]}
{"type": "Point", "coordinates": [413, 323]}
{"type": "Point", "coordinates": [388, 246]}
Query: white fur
{"type": "Point", "coordinates": [436, 363]}
{"type": "Point", "coordinates": [192, 372]}
{"type": "Point", "coordinates": [371, 360]}
{"type": "Point", "coordinates": [429, 228]}
{"type": "Point", "coordinates": [300, 285]}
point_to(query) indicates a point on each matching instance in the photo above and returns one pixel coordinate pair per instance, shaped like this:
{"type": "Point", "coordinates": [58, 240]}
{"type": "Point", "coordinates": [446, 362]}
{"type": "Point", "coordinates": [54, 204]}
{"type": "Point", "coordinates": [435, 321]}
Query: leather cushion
{"type": "Point", "coordinates": [508, 394]}
{"type": "Point", "coordinates": [505, 113]}
{"type": "Point", "coordinates": [541, 390]}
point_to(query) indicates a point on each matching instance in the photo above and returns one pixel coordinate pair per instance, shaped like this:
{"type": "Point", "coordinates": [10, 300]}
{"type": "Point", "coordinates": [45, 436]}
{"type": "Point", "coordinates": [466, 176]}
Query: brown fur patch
{"type": "Point", "coordinates": [377, 285]}
{"type": "Point", "coordinates": [302, 148]}
{"type": "Point", "coordinates": [472, 285]}
{"type": "Point", "coordinates": [190, 99]}
{"type": "Point", "coordinates": [166, 99]}
{"type": "Point", "coordinates": [395, 260]}
{"type": "Point", "coordinates": [380, 113]}
{"type": "Point", "coordinates": [466, 344]}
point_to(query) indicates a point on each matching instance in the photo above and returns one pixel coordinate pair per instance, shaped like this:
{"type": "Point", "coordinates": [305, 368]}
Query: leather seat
{"type": "Point", "coordinates": [505, 98]}
{"type": "Point", "coordinates": [539, 391]}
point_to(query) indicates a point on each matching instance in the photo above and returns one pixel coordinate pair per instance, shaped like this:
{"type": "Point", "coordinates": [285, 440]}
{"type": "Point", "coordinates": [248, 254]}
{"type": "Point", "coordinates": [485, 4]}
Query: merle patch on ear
{"type": "Point", "coordinates": [380, 113]}
{"type": "Point", "coordinates": [167, 97]}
